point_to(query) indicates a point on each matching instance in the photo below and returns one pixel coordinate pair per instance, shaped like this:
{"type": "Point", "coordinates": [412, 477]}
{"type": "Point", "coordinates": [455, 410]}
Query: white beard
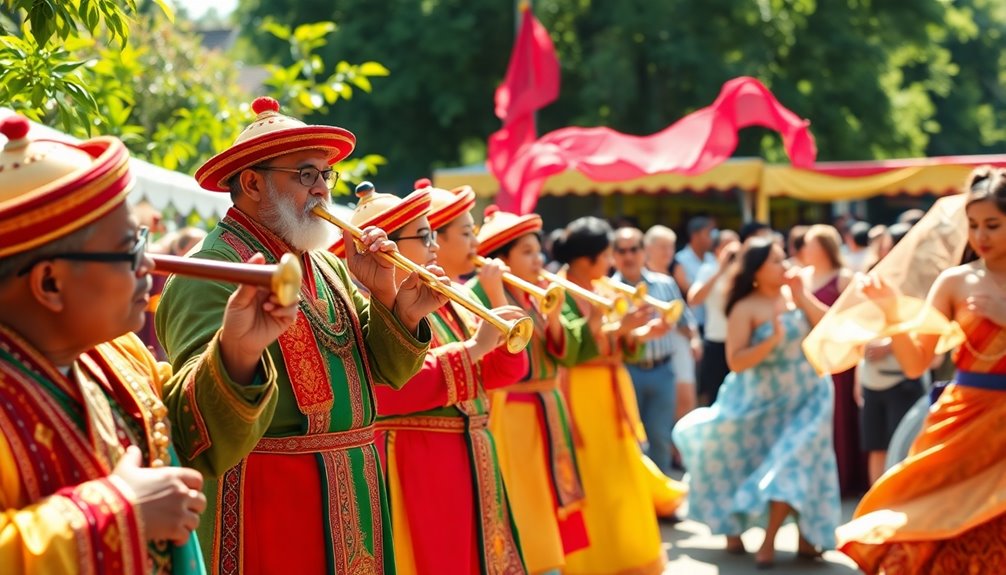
{"type": "Point", "coordinates": [303, 231]}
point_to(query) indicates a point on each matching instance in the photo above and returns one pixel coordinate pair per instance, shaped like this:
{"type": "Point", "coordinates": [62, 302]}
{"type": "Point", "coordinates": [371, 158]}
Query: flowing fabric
{"type": "Point", "coordinates": [934, 244]}
{"type": "Point", "coordinates": [694, 144]}
{"type": "Point", "coordinates": [766, 438]}
{"type": "Point", "coordinates": [943, 509]}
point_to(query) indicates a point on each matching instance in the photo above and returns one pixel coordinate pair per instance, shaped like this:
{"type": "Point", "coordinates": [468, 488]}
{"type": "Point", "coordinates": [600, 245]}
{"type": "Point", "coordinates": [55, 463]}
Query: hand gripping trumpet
{"type": "Point", "coordinates": [283, 279]}
{"type": "Point", "coordinates": [670, 311]}
{"type": "Point", "coordinates": [518, 332]}
{"type": "Point", "coordinates": [549, 299]}
{"type": "Point", "coordinates": [616, 306]}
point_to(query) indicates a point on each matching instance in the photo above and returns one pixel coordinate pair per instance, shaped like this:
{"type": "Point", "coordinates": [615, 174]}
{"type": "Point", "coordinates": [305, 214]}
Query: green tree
{"type": "Point", "coordinates": [877, 78]}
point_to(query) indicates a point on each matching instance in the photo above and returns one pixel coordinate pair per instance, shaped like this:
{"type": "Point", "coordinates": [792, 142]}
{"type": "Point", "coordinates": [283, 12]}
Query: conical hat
{"type": "Point", "coordinates": [500, 228]}
{"type": "Point", "coordinates": [385, 211]}
{"type": "Point", "coordinates": [271, 135]}
{"type": "Point", "coordinates": [50, 189]}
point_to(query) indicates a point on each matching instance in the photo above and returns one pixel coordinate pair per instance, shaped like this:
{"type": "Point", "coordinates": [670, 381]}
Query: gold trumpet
{"type": "Point", "coordinates": [670, 311]}
{"type": "Point", "coordinates": [549, 299]}
{"type": "Point", "coordinates": [617, 306]}
{"type": "Point", "coordinates": [518, 332]}
{"type": "Point", "coordinates": [283, 279]}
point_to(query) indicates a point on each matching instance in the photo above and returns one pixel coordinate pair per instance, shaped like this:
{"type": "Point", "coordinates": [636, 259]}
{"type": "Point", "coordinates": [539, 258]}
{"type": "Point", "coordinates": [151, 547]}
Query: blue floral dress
{"type": "Point", "coordinates": [767, 438]}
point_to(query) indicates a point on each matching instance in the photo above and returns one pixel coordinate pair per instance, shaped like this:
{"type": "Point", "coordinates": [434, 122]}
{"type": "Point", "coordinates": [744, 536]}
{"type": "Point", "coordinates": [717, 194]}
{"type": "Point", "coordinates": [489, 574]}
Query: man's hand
{"type": "Point", "coordinates": [167, 500]}
{"type": "Point", "coordinates": [416, 299]}
{"type": "Point", "coordinates": [253, 319]}
{"type": "Point", "coordinates": [374, 271]}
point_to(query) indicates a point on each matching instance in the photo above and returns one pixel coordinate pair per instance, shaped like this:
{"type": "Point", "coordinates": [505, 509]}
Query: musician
{"type": "Point", "coordinates": [530, 420]}
{"type": "Point", "coordinates": [309, 498]}
{"type": "Point", "coordinates": [449, 509]}
{"type": "Point", "coordinates": [88, 476]}
{"type": "Point", "coordinates": [618, 505]}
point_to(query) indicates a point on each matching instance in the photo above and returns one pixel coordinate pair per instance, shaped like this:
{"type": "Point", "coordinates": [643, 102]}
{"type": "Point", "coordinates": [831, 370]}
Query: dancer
{"type": "Point", "coordinates": [762, 451]}
{"type": "Point", "coordinates": [943, 509]}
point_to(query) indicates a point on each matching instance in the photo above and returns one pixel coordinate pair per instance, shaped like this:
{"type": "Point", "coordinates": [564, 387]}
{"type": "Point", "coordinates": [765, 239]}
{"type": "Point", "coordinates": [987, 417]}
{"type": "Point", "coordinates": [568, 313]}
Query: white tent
{"type": "Point", "coordinates": [154, 184]}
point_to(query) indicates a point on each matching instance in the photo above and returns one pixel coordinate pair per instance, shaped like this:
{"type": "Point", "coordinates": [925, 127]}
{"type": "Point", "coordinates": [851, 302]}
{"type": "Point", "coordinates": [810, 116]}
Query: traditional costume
{"type": "Point", "coordinates": [62, 431]}
{"type": "Point", "coordinates": [619, 489]}
{"type": "Point", "coordinates": [450, 512]}
{"type": "Point", "coordinates": [310, 497]}
{"type": "Point", "coordinates": [943, 510]}
{"type": "Point", "coordinates": [531, 422]}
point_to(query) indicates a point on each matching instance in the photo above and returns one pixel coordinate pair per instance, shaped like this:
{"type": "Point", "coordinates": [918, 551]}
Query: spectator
{"type": "Point", "coordinates": [857, 240]}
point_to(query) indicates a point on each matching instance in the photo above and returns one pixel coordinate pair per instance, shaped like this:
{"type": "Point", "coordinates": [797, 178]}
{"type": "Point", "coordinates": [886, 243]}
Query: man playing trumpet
{"type": "Point", "coordinates": [450, 513]}
{"type": "Point", "coordinates": [310, 497]}
{"type": "Point", "coordinates": [88, 482]}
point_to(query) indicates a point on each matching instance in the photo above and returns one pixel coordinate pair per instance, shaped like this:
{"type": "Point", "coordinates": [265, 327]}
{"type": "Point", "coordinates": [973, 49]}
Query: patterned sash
{"type": "Point", "coordinates": [46, 420]}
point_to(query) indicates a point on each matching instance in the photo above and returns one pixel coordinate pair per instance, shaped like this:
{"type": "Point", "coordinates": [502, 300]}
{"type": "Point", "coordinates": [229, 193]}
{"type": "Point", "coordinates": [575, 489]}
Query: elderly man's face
{"type": "Point", "coordinates": [659, 253]}
{"type": "Point", "coordinates": [286, 204]}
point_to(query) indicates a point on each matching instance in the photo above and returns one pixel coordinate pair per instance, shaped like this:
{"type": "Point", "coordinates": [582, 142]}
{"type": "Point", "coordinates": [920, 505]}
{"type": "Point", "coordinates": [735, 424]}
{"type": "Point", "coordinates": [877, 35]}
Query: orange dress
{"type": "Point", "coordinates": [943, 509]}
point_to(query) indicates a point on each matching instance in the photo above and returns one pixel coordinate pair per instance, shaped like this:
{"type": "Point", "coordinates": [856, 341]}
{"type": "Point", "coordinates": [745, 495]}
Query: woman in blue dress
{"type": "Point", "coordinates": [763, 451]}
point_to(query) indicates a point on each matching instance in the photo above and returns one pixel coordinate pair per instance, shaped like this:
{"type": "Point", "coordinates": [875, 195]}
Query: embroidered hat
{"type": "Point", "coordinates": [271, 135]}
{"type": "Point", "coordinates": [500, 228]}
{"type": "Point", "coordinates": [446, 205]}
{"type": "Point", "coordinates": [50, 189]}
{"type": "Point", "coordinates": [385, 211]}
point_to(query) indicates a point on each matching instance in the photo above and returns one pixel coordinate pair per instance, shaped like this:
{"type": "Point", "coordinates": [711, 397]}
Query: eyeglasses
{"type": "Point", "coordinates": [628, 250]}
{"type": "Point", "coordinates": [134, 256]}
{"type": "Point", "coordinates": [308, 175]}
{"type": "Point", "coordinates": [427, 237]}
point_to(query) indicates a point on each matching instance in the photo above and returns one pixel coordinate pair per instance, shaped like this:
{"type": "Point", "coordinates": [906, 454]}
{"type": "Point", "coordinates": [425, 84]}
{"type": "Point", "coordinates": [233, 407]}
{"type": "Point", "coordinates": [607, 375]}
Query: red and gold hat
{"type": "Point", "coordinates": [50, 189]}
{"type": "Point", "coordinates": [385, 211]}
{"type": "Point", "coordinates": [445, 205]}
{"type": "Point", "coordinates": [272, 134]}
{"type": "Point", "coordinates": [500, 228]}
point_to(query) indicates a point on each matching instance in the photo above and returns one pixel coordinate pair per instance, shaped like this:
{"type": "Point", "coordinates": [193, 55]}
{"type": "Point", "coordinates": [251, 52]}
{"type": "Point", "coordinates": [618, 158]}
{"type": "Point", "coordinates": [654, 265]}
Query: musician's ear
{"type": "Point", "coordinates": [45, 285]}
{"type": "Point", "coordinates": [252, 184]}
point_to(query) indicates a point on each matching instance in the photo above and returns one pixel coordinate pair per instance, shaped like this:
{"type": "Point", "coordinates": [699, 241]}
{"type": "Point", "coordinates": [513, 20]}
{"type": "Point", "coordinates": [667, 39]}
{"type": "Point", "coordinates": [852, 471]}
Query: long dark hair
{"type": "Point", "coordinates": [984, 183]}
{"type": "Point", "coordinates": [987, 183]}
{"type": "Point", "coordinates": [585, 237]}
{"type": "Point", "coordinates": [753, 256]}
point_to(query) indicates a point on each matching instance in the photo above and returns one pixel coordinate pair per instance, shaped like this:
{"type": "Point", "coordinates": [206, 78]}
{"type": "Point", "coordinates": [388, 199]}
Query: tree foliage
{"type": "Point", "coordinates": [877, 78]}
{"type": "Point", "coordinates": [169, 100]}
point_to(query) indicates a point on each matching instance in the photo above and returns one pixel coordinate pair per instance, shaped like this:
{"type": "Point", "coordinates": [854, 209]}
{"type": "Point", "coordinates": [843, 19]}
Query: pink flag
{"type": "Point", "coordinates": [690, 146]}
{"type": "Point", "coordinates": [531, 83]}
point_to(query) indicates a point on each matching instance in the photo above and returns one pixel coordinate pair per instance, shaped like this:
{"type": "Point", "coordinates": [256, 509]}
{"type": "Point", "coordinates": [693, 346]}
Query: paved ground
{"type": "Point", "coordinates": [693, 551]}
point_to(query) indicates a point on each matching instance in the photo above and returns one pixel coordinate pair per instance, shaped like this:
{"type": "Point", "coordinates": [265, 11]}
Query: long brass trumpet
{"type": "Point", "coordinates": [549, 299]}
{"type": "Point", "coordinates": [670, 311]}
{"type": "Point", "coordinates": [618, 306]}
{"type": "Point", "coordinates": [518, 332]}
{"type": "Point", "coordinates": [283, 279]}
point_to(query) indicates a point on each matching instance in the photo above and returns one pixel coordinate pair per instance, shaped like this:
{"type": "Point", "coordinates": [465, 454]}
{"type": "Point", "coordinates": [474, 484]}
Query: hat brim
{"type": "Point", "coordinates": [527, 224]}
{"type": "Point", "coordinates": [464, 201]}
{"type": "Point", "coordinates": [70, 203]}
{"type": "Point", "coordinates": [215, 174]}
{"type": "Point", "coordinates": [413, 206]}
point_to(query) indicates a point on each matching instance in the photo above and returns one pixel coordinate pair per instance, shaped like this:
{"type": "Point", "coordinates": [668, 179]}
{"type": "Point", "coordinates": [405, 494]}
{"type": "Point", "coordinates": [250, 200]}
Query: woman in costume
{"type": "Point", "coordinates": [449, 509]}
{"type": "Point", "coordinates": [763, 450]}
{"type": "Point", "coordinates": [943, 509]}
{"type": "Point", "coordinates": [618, 504]}
{"type": "Point", "coordinates": [530, 420]}
{"type": "Point", "coordinates": [826, 276]}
